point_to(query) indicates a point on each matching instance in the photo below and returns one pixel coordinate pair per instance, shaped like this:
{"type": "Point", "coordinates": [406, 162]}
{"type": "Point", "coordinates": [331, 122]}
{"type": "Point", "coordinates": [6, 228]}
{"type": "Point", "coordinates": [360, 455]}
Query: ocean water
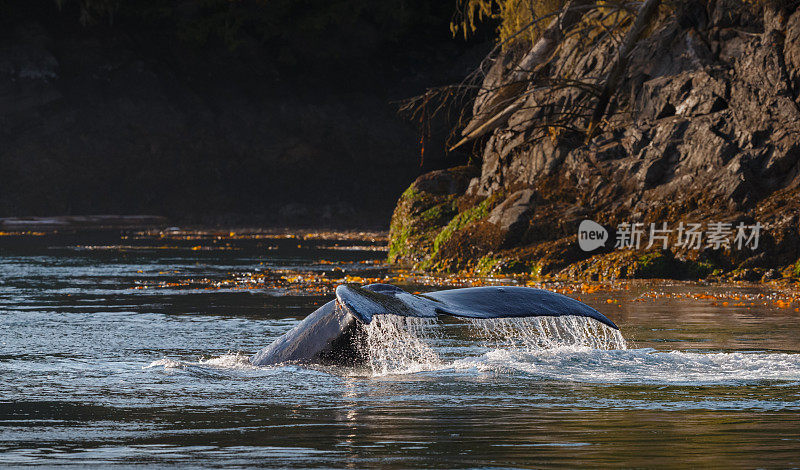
{"type": "Point", "coordinates": [132, 349]}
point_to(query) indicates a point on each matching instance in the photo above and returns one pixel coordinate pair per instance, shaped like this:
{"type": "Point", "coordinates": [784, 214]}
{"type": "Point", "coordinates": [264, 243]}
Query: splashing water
{"type": "Point", "coordinates": [226, 361]}
{"type": "Point", "coordinates": [397, 344]}
{"type": "Point", "coordinates": [538, 333]}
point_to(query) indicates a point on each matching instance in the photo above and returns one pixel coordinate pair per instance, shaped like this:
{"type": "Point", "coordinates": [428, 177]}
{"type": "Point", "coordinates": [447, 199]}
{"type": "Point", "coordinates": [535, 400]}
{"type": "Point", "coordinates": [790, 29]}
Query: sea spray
{"type": "Point", "coordinates": [537, 333]}
{"type": "Point", "coordinates": [396, 344]}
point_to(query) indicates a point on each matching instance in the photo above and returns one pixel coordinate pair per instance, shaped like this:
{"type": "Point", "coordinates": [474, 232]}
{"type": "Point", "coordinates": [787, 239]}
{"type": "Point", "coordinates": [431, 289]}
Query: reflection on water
{"type": "Point", "coordinates": [96, 369]}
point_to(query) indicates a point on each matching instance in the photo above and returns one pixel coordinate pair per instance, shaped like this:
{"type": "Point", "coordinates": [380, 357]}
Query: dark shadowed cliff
{"type": "Point", "coordinates": [219, 112]}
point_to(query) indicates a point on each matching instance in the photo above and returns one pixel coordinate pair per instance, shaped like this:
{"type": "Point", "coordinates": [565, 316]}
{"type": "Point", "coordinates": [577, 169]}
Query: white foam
{"type": "Point", "coordinates": [226, 361]}
{"type": "Point", "coordinates": [166, 362]}
{"type": "Point", "coordinates": [229, 361]}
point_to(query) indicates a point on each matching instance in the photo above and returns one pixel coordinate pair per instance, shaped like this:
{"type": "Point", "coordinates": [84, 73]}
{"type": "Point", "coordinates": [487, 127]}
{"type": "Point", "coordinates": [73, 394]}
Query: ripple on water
{"type": "Point", "coordinates": [76, 331]}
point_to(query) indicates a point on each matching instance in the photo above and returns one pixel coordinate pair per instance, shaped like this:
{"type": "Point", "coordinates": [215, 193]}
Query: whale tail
{"type": "Point", "coordinates": [334, 333]}
{"type": "Point", "coordinates": [472, 302]}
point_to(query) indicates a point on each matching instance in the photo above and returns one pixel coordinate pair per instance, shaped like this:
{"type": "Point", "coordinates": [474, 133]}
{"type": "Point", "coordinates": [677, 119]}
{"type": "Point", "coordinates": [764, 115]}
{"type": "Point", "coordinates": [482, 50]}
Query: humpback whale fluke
{"type": "Point", "coordinates": [332, 334]}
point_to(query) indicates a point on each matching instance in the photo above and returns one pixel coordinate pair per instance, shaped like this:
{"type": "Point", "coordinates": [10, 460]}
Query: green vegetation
{"type": "Point", "coordinates": [486, 265]}
{"type": "Point", "coordinates": [398, 243]}
{"type": "Point", "coordinates": [417, 220]}
{"type": "Point", "coordinates": [401, 225]}
{"type": "Point", "coordinates": [500, 265]}
{"type": "Point", "coordinates": [460, 221]}
{"type": "Point", "coordinates": [436, 261]}
{"type": "Point", "coordinates": [423, 223]}
{"type": "Point", "coordinates": [536, 271]}
{"type": "Point", "coordinates": [436, 212]}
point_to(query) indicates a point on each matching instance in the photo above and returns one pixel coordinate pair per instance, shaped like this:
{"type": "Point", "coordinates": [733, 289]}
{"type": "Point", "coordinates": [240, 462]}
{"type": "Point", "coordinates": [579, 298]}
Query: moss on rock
{"type": "Point", "coordinates": [465, 239]}
{"type": "Point", "coordinates": [417, 219]}
{"type": "Point", "coordinates": [473, 214]}
{"type": "Point", "coordinates": [422, 211]}
{"type": "Point", "coordinates": [487, 265]}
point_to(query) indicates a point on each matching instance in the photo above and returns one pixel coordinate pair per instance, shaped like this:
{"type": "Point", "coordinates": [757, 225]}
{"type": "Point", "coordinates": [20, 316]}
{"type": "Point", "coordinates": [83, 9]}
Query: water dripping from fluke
{"type": "Point", "coordinates": [540, 333]}
{"type": "Point", "coordinates": [396, 345]}
{"type": "Point", "coordinates": [402, 345]}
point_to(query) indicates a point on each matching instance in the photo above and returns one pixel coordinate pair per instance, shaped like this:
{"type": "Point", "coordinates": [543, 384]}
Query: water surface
{"type": "Point", "coordinates": [133, 350]}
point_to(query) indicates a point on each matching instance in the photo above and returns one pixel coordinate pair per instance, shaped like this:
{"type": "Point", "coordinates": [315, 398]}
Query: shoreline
{"type": "Point", "coordinates": [600, 268]}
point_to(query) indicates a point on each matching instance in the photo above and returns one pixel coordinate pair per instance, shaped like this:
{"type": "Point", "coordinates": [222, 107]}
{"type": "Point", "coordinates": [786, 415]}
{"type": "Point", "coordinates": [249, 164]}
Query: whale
{"type": "Point", "coordinates": [334, 334]}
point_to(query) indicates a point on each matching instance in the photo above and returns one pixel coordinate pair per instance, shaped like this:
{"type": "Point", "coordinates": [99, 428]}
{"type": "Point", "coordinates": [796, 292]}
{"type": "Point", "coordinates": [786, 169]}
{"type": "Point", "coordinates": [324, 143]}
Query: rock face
{"type": "Point", "coordinates": [703, 127]}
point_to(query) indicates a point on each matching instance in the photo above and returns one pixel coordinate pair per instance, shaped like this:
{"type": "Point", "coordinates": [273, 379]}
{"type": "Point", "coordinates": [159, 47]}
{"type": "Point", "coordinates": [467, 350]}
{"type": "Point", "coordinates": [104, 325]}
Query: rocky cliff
{"type": "Point", "coordinates": [702, 125]}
